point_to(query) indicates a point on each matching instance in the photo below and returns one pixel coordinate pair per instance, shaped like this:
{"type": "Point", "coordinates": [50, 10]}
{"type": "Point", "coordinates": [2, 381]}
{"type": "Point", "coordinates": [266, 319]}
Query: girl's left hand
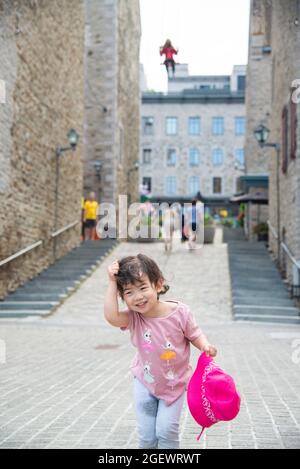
{"type": "Point", "coordinates": [210, 350]}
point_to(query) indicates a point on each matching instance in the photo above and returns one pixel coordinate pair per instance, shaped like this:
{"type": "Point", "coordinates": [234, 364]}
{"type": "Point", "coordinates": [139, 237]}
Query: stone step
{"type": "Point", "coordinates": [41, 294]}
{"type": "Point", "coordinates": [37, 282]}
{"type": "Point", "coordinates": [35, 297]}
{"type": "Point", "coordinates": [57, 289]}
{"type": "Point", "coordinates": [267, 319]}
{"type": "Point", "coordinates": [63, 276]}
{"type": "Point", "coordinates": [265, 310]}
{"type": "Point", "coordinates": [25, 305]}
{"type": "Point", "coordinates": [23, 313]}
{"type": "Point", "coordinates": [267, 293]}
{"type": "Point", "coordinates": [261, 299]}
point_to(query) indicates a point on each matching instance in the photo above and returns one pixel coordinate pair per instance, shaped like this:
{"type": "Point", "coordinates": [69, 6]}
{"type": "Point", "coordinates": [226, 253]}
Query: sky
{"type": "Point", "coordinates": [212, 36]}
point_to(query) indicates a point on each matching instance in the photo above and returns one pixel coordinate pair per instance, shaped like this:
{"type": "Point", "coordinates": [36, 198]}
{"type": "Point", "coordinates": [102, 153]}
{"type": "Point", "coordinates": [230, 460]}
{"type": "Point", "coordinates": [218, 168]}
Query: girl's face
{"type": "Point", "coordinates": [141, 297]}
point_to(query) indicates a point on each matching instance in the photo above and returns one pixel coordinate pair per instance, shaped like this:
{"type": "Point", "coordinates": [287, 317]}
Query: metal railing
{"type": "Point", "coordinates": [20, 253]}
{"type": "Point", "coordinates": [272, 229]}
{"type": "Point", "coordinates": [65, 228]}
{"type": "Point", "coordinates": [38, 243]}
{"type": "Point", "coordinates": [295, 285]}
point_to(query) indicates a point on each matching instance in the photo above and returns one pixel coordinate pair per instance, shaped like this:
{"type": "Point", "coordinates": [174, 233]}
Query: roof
{"type": "Point", "coordinates": [194, 96]}
{"type": "Point", "coordinates": [256, 197]}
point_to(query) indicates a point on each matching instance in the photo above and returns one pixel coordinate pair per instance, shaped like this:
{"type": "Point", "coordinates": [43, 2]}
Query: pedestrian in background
{"type": "Point", "coordinates": [90, 216]}
{"type": "Point", "coordinates": [170, 223]}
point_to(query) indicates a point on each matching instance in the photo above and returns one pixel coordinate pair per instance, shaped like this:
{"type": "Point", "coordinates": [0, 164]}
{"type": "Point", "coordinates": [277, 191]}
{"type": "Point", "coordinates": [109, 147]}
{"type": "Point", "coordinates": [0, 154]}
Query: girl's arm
{"type": "Point", "coordinates": [204, 346]}
{"type": "Point", "coordinates": [111, 307]}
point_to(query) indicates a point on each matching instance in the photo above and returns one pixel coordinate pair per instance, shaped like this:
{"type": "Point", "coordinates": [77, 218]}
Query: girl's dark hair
{"type": "Point", "coordinates": [168, 43]}
{"type": "Point", "coordinates": [132, 267]}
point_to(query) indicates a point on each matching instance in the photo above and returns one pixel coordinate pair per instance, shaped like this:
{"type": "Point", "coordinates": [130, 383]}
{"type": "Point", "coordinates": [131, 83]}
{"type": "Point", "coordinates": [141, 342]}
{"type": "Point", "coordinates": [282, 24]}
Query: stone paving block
{"type": "Point", "coordinates": [58, 391]}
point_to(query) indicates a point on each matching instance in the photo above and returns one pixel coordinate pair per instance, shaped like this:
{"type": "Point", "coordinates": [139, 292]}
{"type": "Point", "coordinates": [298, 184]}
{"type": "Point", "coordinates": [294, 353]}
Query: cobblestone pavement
{"type": "Point", "coordinates": [66, 383]}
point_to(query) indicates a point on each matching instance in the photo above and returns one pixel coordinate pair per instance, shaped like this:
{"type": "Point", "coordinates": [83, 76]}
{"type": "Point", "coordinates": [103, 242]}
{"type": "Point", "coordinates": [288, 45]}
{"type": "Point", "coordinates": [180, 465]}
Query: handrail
{"type": "Point", "coordinates": [272, 229]}
{"type": "Point", "coordinates": [290, 255]}
{"type": "Point", "coordinates": [62, 230]}
{"type": "Point", "coordinates": [285, 247]}
{"type": "Point", "coordinates": [35, 245]}
{"type": "Point", "coordinates": [20, 253]}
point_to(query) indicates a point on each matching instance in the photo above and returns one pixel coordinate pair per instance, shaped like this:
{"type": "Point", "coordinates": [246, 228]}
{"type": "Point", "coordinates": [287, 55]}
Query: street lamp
{"type": "Point", "coordinates": [97, 164]}
{"type": "Point", "coordinates": [261, 134]}
{"type": "Point", "coordinates": [73, 138]}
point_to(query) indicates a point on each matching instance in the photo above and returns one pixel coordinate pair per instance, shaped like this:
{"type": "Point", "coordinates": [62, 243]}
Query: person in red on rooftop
{"type": "Point", "coordinates": [169, 51]}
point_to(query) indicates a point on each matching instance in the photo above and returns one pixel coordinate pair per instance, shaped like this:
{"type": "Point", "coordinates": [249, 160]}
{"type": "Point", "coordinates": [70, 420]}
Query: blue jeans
{"type": "Point", "coordinates": [158, 424]}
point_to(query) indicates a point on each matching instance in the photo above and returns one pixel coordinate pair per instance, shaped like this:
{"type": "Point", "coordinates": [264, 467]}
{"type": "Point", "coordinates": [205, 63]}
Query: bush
{"type": "Point", "coordinates": [261, 229]}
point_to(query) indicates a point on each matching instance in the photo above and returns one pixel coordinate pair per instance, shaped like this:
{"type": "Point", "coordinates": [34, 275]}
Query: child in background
{"type": "Point", "coordinates": [162, 332]}
{"type": "Point", "coordinates": [169, 51]}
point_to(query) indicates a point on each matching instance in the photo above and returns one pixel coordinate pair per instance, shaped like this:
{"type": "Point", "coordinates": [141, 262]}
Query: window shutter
{"type": "Point", "coordinates": [284, 130]}
{"type": "Point", "coordinates": [293, 126]}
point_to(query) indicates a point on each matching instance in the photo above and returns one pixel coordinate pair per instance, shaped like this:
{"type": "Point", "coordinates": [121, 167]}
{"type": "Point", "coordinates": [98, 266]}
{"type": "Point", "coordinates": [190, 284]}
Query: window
{"type": "Point", "coordinates": [194, 157]}
{"type": "Point", "coordinates": [241, 80]}
{"type": "Point", "coordinates": [240, 125]}
{"type": "Point", "coordinates": [147, 155]}
{"type": "Point", "coordinates": [218, 125]}
{"type": "Point", "coordinates": [194, 185]}
{"type": "Point", "coordinates": [217, 156]}
{"type": "Point", "coordinates": [171, 157]}
{"type": "Point", "coordinates": [293, 129]}
{"type": "Point", "coordinates": [194, 125]}
{"type": "Point", "coordinates": [148, 125]}
{"type": "Point", "coordinates": [217, 185]}
{"type": "Point", "coordinates": [171, 125]}
{"type": "Point", "coordinates": [170, 185]}
{"type": "Point", "coordinates": [239, 156]}
{"type": "Point", "coordinates": [147, 183]}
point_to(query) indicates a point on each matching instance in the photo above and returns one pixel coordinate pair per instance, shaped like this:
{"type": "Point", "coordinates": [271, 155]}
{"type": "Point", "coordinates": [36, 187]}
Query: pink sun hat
{"type": "Point", "coordinates": [211, 394]}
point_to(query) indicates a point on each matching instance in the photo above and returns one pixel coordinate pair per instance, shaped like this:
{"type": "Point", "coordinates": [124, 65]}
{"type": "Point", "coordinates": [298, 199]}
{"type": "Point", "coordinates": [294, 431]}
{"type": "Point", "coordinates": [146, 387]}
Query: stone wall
{"type": "Point", "coordinates": [286, 68]}
{"type": "Point", "coordinates": [112, 97]}
{"type": "Point", "coordinates": [41, 51]}
{"type": "Point", "coordinates": [258, 100]}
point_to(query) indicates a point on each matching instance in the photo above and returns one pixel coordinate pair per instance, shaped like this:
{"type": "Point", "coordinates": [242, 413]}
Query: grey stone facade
{"type": "Point", "coordinates": [271, 73]}
{"type": "Point", "coordinates": [112, 98]}
{"type": "Point", "coordinates": [41, 51]}
{"type": "Point", "coordinates": [258, 109]}
{"type": "Point", "coordinates": [193, 102]}
{"type": "Point", "coordinates": [286, 69]}
{"type": "Point", "coordinates": [66, 64]}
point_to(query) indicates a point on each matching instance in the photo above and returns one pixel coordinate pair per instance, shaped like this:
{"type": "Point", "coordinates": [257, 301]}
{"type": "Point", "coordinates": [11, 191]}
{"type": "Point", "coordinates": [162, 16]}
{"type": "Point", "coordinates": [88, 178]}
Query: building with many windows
{"type": "Point", "coordinates": [192, 137]}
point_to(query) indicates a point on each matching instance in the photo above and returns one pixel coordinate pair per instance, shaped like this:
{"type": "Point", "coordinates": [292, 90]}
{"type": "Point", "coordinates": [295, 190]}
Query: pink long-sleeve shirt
{"type": "Point", "coordinates": [163, 350]}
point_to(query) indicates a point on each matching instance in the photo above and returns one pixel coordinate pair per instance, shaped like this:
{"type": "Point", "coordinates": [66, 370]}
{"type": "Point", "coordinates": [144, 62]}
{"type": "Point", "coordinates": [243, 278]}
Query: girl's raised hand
{"type": "Point", "coordinates": [113, 270]}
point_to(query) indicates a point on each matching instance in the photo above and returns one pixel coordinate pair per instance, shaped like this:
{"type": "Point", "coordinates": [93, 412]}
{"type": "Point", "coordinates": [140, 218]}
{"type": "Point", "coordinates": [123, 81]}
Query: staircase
{"type": "Point", "coordinates": [41, 295]}
{"type": "Point", "coordinates": [258, 291]}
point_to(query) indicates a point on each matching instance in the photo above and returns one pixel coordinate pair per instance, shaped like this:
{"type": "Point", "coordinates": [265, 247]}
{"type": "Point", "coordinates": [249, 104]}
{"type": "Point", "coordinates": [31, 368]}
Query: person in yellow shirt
{"type": "Point", "coordinates": [90, 216]}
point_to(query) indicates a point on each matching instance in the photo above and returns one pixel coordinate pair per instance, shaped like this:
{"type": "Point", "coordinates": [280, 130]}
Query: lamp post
{"type": "Point", "coordinates": [135, 167]}
{"type": "Point", "coordinates": [73, 138]}
{"type": "Point", "coordinates": [261, 134]}
{"type": "Point", "coordinates": [97, 165]}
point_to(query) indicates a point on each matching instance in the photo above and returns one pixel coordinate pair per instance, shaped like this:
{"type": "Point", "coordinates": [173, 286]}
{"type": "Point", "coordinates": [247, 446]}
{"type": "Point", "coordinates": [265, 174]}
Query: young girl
{"type": "Point", "coordinates": [161, 331]}
{"type": "Point", "coordinates": [169, 51]}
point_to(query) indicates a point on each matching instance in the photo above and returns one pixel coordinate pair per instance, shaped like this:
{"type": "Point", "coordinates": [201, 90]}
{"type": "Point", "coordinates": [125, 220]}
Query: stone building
{"type": "Point", "coordinates": [65, 64]}
{"type": "Point", "coordinates": [41, 52]}
{"type": "Point", "coordinates": [192, 137]}
{"type": "Point", "coordinates": [112, 98]}
{"type": "Point", "coordinates": [277, 26]}
{"type": "Point", "coordinates": [258, 111]}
